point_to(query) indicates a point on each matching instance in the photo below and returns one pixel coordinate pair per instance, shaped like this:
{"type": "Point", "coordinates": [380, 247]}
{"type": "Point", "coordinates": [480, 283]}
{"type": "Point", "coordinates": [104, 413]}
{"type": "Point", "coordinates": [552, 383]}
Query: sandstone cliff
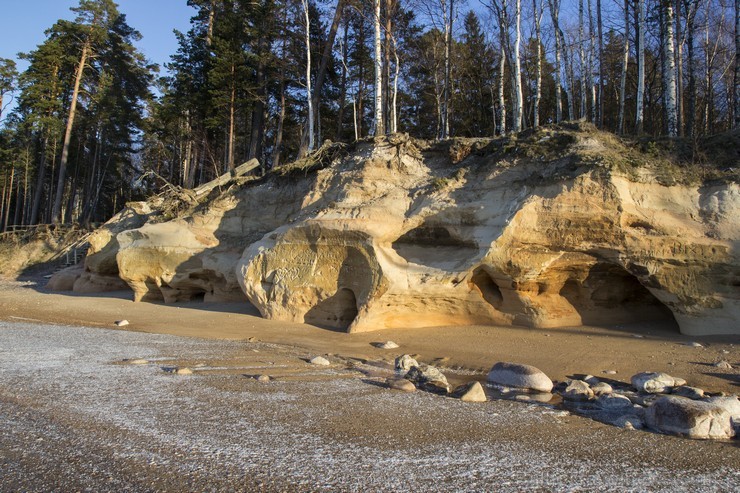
{"type": "Point", "coordinates": [560, 227]}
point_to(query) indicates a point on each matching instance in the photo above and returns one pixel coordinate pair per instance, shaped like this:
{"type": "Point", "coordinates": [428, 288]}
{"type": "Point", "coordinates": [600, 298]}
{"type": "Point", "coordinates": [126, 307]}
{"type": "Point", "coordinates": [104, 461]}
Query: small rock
{"type": "Point", "coordinates": [695, 419]}
{"type": "Point", "coordinates": [520, 376]}
{"type": "Point", "coordinates": [470, 392]}
{"type": "Point", "coordinates": [405, 363]}
{"type": "Point", "coordinates": [184, 371]}
{"type": "Point", "coordinates": [137, 361]}
{"type": "Point", "coordinates": [638, 336]}
{"type": "Point", "coordinates": [578, 390]}
{"type": "Point", "coordinates": [723, 365]}
{"type": "Point", "coordinates": [522, 397]}
{"type": "Point", "coordinates": [692, 344]}
{"type": "Point", "coordinates": [264, 378]}
{"type": "Point", "coordinates": [613, 402]}
{"type": "Point", "coordinates": [400, 384]}
{"type": "Point", "coordinates": [602, 388]}
{"type": "Point", "coordinates": [320, 361]}
{"type": "Point", "coordinates": [388, 345]}
{"type": "Point", "coordinates": [653, 382]}
{"type": "Point", "coordinates": [591, 380]}
{"type": "Point", "coordinates": [690, 392]}
{"type": "Point", "coordinates": [428, 378]}
{"type": "Point", "coordinates": [677, 382]}
{"type": "Point", "coordinates": [609, 372]}
{"type": "Point", "coordinates": [252, 339]}
{"type": "Point", "coordinates": [121, 323]}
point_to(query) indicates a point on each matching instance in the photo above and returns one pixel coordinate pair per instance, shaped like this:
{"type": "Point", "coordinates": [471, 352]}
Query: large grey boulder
{"type": "Point", "coordinates": [519, 376]}
{"type": "Point", "coordinates": [654, 382]}
{"type": "Point", "coordinates": [613, 402]}
{"type": "Point", "coordinates": [694, 419]}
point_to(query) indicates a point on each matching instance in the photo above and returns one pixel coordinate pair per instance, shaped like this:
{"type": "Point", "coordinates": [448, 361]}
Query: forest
{"type": "Point", "coordinates": [95, 124]}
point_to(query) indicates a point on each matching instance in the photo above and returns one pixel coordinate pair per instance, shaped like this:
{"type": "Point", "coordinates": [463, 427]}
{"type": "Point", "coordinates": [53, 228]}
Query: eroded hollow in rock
{"type": "Point", "coordinates": [435, 246]}
{"type": "Point", "coordinates": [487, 288]}
{"type": "Point", "coordinates": [610, 295]}
{"type": "Point", "coordinates": [336, 312]}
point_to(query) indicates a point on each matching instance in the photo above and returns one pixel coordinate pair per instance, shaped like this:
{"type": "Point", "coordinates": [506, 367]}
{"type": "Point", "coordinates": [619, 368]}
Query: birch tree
{"type": "Point", "coordinates": [582, 61]}
{"type": "Point", "coordinates": [378, 122]}
{"type": "Point", "coordinates": [639, 117]}
{"type": "Point", "coordinates": [537, 9]}
{"type": "Point", "coordinates": [555, 16]}
{"type": "Point", "coordinates": [519, 100]}
{"type": "Point", "coordinates": [670, 71]}
{"type": "Point", "coordinates": [309, 92]}
{"type": "Point", "coordinates": [625, 65]}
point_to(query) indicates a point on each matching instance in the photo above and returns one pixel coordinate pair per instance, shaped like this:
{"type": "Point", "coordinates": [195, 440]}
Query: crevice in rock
{"type": "Point", "coordinates": [336, 312]}
{"type": "Point", "coordinates": [482, 282]}
{"type": "Point", "coordinates": [609, 294]}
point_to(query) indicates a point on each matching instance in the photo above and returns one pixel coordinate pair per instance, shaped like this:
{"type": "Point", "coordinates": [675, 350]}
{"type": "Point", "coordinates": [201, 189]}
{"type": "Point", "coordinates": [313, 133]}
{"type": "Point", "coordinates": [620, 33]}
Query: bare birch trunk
{"type": "Point", "coordinates": [57, 208]}
{"type": "Point", "coordinates": [670, 69]}
{"type": "Point", "coordinates": [501, 80]}
{"type": "Point", "coordinates": [625, 65]}
{"type": "Point", "coordinates": [582, 61]}
{"type": "Point", "coordinates": [591, 57]}
{"type": "Point", "coordinates": [679, 69]}
{"type": "Point", "coordinates": [555, 15]}
{"type": "Point", "coordinates": [538, 66]}
{"type": "Point", "coordinates": [519, 109]}
{"type": "Point", "coordinates": [309, 93]}
{"type": "Point", "coordinates": [378, 123]}
{"type": "Point", "coordinates": [232, 112]}
{"type": "Point", "coordinates": [639, 117]}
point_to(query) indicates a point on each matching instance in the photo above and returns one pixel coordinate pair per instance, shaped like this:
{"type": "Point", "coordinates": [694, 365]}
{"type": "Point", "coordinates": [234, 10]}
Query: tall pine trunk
{"type": "Point", "coordinates": [57, 208]}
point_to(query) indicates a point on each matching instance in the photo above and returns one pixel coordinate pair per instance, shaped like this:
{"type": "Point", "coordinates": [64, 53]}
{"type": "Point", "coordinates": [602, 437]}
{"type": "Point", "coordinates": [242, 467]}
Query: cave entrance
{"type": "Point", "coordinates": [610, 295]}
{"type": "Point", "coordinates": [484, 284]}
{"type": "Point", "coordinates": [435, 246]}
{"type": "Point", "coordinates": [336, 312]}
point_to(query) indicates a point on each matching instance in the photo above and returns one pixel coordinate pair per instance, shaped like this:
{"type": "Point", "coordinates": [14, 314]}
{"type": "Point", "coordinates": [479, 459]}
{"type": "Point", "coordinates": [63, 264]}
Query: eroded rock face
{"type": "Point", "coordinates": [400, 234]}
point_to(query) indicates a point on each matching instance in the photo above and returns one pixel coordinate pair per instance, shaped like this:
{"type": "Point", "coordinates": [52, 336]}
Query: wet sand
{"type": "Point", "coordinates": [77, 417]}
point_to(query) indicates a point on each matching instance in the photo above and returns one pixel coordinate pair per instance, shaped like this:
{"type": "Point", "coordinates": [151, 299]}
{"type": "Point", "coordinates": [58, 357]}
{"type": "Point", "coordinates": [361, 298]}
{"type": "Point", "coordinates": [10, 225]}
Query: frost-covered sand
{"type": "Point", "coordinates": [76, 418]}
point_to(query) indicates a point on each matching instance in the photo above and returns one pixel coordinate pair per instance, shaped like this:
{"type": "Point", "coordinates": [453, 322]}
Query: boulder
{"type": "Point", "coordinates": [64, 280]}
{"type": "Point", "coordinates": [695, 419]}
{"type": "Point", "coordinates": [577, 390]}
{"type": "Point", "coordinates": [689, 392]}
{"type": "Point", "coordinates": [613, 402]}
{"type": "Point", "coordinates": [653, 382]}
{"type": "Point", "coordinates": [731, 404]}
{"type": "Point", "coordinates": [387, 345]}
{"type": "Point", "coordinates": [470, 392]}
{"type": "Point", "coordinates": [723, 365]}
{"type": "Point", "coordinates": [428, 378]}
{"type": "Point", "coordinates": [519, 376]}
{"type": "Point", "coordinates": [602, 388]}
{"type": "Point", "coordinates": [401, 384]}
{"type": "Point", "coordinates": [405, 362]}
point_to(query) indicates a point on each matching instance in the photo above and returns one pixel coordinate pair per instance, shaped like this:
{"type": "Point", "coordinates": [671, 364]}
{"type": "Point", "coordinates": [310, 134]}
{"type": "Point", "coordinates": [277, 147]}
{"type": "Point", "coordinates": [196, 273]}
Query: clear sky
{"type": "Point", "coordinates": [23, 22]}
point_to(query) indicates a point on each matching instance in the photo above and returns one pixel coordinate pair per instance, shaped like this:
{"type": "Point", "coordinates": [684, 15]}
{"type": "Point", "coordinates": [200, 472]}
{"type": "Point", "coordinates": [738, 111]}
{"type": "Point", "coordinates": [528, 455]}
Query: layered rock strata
{"type": "Point", "coordinates": [559, 229]}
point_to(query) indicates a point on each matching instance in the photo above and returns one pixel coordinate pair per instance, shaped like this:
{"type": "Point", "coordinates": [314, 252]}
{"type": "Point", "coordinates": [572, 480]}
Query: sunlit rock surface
{"type": "Point", "coordinates": [564, 227]}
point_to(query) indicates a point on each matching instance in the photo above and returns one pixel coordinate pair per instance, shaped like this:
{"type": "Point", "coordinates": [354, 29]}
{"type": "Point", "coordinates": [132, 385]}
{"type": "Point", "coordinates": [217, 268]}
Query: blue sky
{"type": "Point", "coordinates": [23, 22]}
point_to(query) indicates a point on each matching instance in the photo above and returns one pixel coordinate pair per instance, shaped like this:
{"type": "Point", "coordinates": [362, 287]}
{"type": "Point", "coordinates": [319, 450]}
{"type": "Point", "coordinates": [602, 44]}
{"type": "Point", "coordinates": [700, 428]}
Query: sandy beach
{"type": "Point", "coordinates": [80, 417]}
